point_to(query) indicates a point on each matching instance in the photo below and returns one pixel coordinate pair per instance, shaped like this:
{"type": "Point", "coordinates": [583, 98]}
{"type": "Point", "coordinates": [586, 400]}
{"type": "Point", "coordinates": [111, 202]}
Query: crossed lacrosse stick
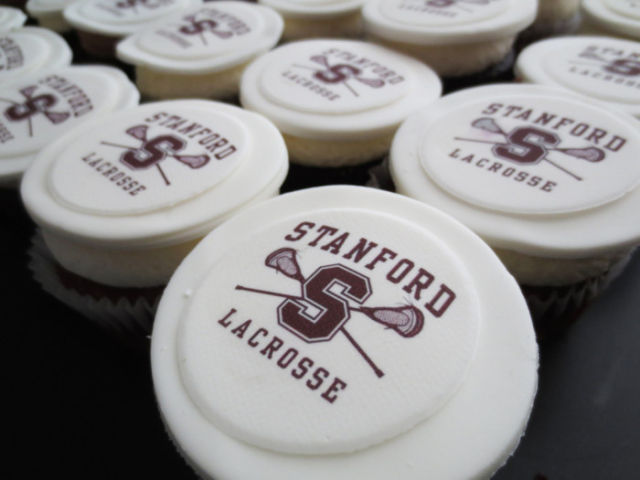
{"type": "Point", "coordinates": [27, 93]}
{"type": "Point", "coordinates": [196, 27]}
{"type": "Point", "coordinates": [322, 60]}
{"type": "Point", "coordinates": [597, 58]}
{"type": "Point", "coordinates": [140, 132]}
{"type": "Point", "coordinates": [406, 321]}
{"type": "Point", "coordinates": [447, 3]}
{"type": "Point", "coordinates": [590, 154]}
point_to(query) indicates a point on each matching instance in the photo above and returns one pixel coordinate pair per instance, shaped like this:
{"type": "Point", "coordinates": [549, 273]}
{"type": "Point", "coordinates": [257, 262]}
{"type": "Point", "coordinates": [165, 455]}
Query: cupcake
{"type": "Point", "coordinates": [11, 18]}
{"type": "Point", "coordinates": [465, 41]}
{"type": "Point", "coordinates": [620, 18]}
{"type": "Point", "coordinates": [343, 333]}
{"type": "Point", "coordinates": [39, 108]}
{"type": "Point", "coordinates": [49, 13]}
{"type": "Point", "coordinates": [547, 177]}
{"type": "Point", "coordinates": [555, 17]}
{"type": "Point", "coordinates": [319, 18]}
{"type": "Point", "coordinates": [604, 68]}
{"type": "Point", "coordinates": [123, 199]}
{"type": "Point", "coordinates": [337, 102]}
{"type": "Point", "coordinates": [101, 24]}
{"type": "Point", "coordinates": [29, 50]}
{"type": "Point", "coordinates": [203, 53]}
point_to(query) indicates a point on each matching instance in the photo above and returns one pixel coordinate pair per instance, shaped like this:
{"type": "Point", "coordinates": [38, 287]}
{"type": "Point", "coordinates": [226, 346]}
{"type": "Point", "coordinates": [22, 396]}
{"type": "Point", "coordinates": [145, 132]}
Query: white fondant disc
{"type": "Point", "coordinates": [606, 69]}
{"type": "Point", "coordinates": [121, 17]}
{"type": "Point", "coordinates": [626, 8]}
{"type": "Point", "coordinates": [310, 9]}
{"type": "Point", "coordinates": [212, 37]}
{"type": "Point", "coordinates": [31, 49]}
{"type": "Point", "coordinates": [442, 13]}
{"type": "Point", "coordinates": [323, 78]}
{"type": "Point", "coordinates": [397, 326]}
{"type": "Point", "coordinates": [148, 159]}
{"type": "Point", "coordinates": [156, 175]}
{"type": "Point", "coordinates": [11, 18]}
{"type": "Point", "coordinates": [620, 17]}
{"type": "Point", "coordinates": [531, 154]}
{"type": "Point", "coordinates": [535, 169]}
{"type": "Point", "coordinates": [251, 384]}
{"type": "Point", "coordinates": [447, 22]}
{"type": "Point", "coordinates": [38, 109]}
{"type": "Point", "coordinates": [337, 89]}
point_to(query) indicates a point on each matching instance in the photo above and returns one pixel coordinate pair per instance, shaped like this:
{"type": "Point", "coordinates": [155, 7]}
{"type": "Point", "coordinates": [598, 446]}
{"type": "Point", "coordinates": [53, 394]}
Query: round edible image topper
{"type": "Point", "coordinates": [442, 13]}
{"type": "Point", "coordinates": [121, 17]}
{"type": "Point", "coordinates": [328, 77]}
{"type": "Point", "coordinates": [216, 35]}
{"type": "Point", "coordinates": [604, 68]}
{"type": "Point", "coordinates": [37, 109]}
{"type": "Point", "coordinates": [11, 18]}
{"type": "Point", "coordinates": [622, 17]}
{"type": "Point", "coordinates": [29, 49]}
{"type": "Point", "coordinates": [336, 333]}
{"type": "Point", "coordinates": [538, 152]}
{"type": "Point", "coordinates": [626, 8]}
{"type": "Point", "coordinates": [148, 159]}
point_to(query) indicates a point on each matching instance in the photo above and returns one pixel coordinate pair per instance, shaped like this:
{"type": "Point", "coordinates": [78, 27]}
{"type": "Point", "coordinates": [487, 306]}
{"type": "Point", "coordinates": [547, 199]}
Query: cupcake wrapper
{"type": "Point", "coordinates": [539, 32]}
{"type": "Point", "coordinates": [301, 176]}
{"type": "Point", "coordinates": [380, 177]}
{"type": "Point", "coordinates": [501, 72]}
{"type": "Point", "coordinates": [129, 318]}
{"type": "Point", "coordinates": [554, 309]}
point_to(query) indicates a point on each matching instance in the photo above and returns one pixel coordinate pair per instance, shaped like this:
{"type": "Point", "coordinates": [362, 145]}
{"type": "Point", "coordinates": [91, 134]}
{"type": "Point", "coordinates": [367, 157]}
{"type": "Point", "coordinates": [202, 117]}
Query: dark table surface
{"type": "Point", "coordinates": [81, 405]}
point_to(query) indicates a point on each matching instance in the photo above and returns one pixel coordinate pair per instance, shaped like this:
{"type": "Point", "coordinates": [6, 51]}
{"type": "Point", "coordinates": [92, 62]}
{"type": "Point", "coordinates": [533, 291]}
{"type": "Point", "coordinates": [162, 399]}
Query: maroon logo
{"type": "Point", "coordinates": [134, 4]}
{"type": "Point", "coordinates": [34, 105]}
{"type": "Point", "coordinates": [334, 293]}
{"type": "Point", "coordinates": [457, 3]}
{"type": "Point", "coordinates": [200, 27]}
{"type": "Point", "coordinates": [530, 145]}
{"type": "Point", "coordinates": [155, 150]}
{"type": "Point", "coordinates": [626, 67]}
{"type": "Point", "coordinates": [340, 74]}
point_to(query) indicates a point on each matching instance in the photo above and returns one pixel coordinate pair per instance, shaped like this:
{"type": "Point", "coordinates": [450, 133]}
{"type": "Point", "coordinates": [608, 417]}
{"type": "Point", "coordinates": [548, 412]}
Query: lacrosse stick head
{"type": "Point", "coordinates": [488, 125]}
{"type": "Point", "coordinates": [372, 82]}
{"type": "Point", "coordinates": [28, 92]}
{"type": "Point", "coordinates": [284, 261]}
{"type": "Point", "coordinates": [139, 132]}
{"type": "Point", "coordinates": [57, 117]}
{"type": "Point", "coordinates": [591, 154]}
{"type": "Point", "coordinates": [406, 321]}
{"type": "Point", "coordinates": [193, 161]}
{"type": "Point", "coordinates": [320, 59]}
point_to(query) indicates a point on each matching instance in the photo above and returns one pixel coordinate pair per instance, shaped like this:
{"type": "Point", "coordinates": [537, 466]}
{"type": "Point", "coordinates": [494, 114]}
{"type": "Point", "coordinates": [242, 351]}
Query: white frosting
{"type": "Point", "coordinates": [157, 175]}
{"type": "Point", "coordinates": [119, 18]}
{"type": "Point", "coordinates": [313, 9]}
{"type": "Point", "coordinates": [337, 89]}
{"type": "Point", "coordinates": [236, 407]}
{"type": "Point", "coordinates": [11, 18]}
{"type": "Point", "coordinates": [38, 109]}
{"type": "Point", "coordinates": [210, 38]}
{"type": "Point", "coordinates": [442, 22]}
{"type": "Point", "coordinates": [532, 169]}
{"type": "Point", "coordinates": [29, 50]}
{"type": "Point", "coordinates": [621, 17]}
{"type": "Point", "coordinates": [38, 8]}
{"type": "Point", "coordinates": [606, 69]}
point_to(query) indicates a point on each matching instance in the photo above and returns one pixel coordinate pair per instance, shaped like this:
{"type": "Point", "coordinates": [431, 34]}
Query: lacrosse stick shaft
{"type": "Point", "coordinates": [166, 180]}
{"type": "Point", "coordinates": [379, 373]}
{"type": "Point", "coordinates": [265, 292]}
